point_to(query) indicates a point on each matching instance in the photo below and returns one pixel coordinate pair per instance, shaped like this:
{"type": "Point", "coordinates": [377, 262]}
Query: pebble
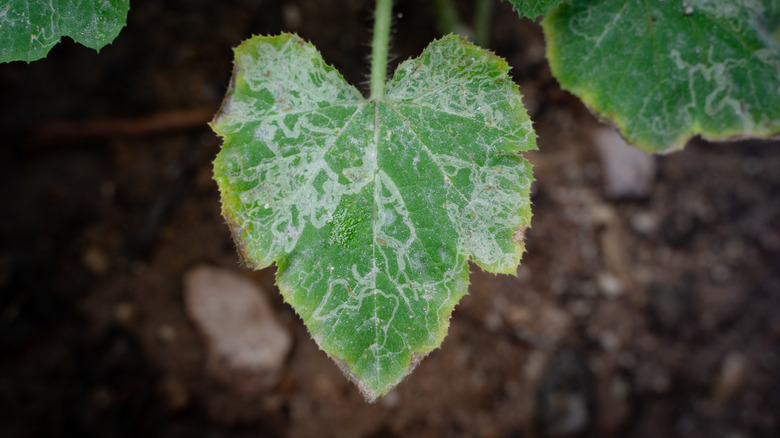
{"type": "Point", "coordinates": [246, 345]}
{"type": "Point", "coordinates": [610, 285]}
{"type": "Point", "coordinates": [732, 374]}
{"type": "Point", "coordinates": [609, 341]}
{"type": "Point", "coordinates": [124, 312]}
{"type": "Point", "coordinates": [96, 260]}
{"type": "Point", "coordinates": [629, 172]}
{"type": "Point", "coordinates": [544, 325]}
{"type": "Point", "coordinates": [644, 223]}
{"type": "Point", "coordinates": [565, 395]}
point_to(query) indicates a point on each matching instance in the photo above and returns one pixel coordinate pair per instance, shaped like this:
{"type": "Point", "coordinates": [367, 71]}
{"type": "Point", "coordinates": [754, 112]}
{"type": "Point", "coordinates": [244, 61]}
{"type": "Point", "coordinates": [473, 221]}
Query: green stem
{"type": "Point", "coordinates": [384, 9]}
{"type": "Point", "coordinates": [446, 16]}
{"type": "Point", "coordinates": [482, 18]}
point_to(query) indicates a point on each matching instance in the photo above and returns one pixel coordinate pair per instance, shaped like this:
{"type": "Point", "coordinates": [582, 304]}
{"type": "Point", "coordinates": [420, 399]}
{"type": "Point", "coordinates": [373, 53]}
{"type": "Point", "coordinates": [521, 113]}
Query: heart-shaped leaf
{"type": "Point", "coordinates": [371, 209]}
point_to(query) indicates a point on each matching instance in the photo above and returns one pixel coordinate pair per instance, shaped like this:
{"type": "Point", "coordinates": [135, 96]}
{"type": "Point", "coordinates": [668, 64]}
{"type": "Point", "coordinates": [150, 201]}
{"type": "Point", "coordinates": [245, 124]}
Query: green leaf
{"type": "Point", "coordinates": [664, 71]}
{"type": "Point", "coordinates": [534, 8]}
{"type": "Point", "coordinates": [372, 209]}
{"type": "Point", "coordinates": [29, 29]}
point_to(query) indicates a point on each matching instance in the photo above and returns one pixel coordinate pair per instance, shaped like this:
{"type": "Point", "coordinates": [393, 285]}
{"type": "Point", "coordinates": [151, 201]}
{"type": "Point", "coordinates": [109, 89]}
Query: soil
{"type": "Point", "coordinates": [652, 317]}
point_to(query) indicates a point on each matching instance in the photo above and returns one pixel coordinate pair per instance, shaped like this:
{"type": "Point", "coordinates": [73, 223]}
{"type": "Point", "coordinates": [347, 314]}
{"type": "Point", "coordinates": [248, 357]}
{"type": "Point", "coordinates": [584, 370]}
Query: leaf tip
{"type": "Point", "coordinates": [372, 393]}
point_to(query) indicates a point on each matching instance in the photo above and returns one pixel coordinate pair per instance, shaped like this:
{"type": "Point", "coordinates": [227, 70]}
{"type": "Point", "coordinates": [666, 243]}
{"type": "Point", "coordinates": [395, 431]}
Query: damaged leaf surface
{"type": "Point", "coordinates": [30, 28]}
{"type": "Point", "coordinates": [371, 209]}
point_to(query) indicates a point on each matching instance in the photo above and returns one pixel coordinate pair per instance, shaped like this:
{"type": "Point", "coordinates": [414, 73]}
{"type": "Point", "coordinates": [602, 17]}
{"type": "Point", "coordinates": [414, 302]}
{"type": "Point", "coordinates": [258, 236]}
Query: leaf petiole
{"type": "Point", "coordinates": [446, 16]}
{"type": "Point", "coordinates": [379, 48]}
{"type": "Point", "coordinates": [482, 16]}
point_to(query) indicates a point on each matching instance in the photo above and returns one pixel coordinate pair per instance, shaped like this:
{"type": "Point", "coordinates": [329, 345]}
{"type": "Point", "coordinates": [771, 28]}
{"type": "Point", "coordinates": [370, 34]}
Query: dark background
{"type": "Point", "coordinates": [107, 200]}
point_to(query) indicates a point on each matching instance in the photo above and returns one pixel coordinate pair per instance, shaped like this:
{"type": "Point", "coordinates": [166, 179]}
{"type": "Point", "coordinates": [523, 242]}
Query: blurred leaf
{"type": "Point", "coordinates": [29, 29]}
{"type": "Point", "coordinates": [664, 71]}
{"type": "Point", "coordinates": [534, 8]}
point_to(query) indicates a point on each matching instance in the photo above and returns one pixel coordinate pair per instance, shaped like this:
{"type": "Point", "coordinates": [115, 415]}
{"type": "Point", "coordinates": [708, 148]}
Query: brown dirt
{"type": "Point", "coordinates": [100, 224]}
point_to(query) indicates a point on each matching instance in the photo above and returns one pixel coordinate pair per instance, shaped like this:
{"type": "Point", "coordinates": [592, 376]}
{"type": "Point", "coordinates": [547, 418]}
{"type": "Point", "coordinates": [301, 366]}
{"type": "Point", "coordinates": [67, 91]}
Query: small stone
{"type": "Point", "coordinates": [629, 172]}
{"type": "Point", "coordinates": [246, 345]}
{"type": "Point", "coordinates": [610, 285]}
{"type": "Point", "coordinates": [96, 260]}
{"type": "Point", "coordinates": [565, 395]}
{"type": "Point", "coordinates": [324, 383]}
{"type": "Point", "coordinates": [731, 377]}
{"type": "Point", "coordinates": [493, 321]}
{"type": "Point", "coordinates": [543, 324]}
{"type": "Point", "coordinates": [609, 341]}
{"type": "Point", "coordinates": [534, 365]}
{"type": "Point", "coordinates": [645, 223]}
{"type": "Point", "coordinates": [124, 312]}
{"type": "Point", "coordinates": [720, 273]}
